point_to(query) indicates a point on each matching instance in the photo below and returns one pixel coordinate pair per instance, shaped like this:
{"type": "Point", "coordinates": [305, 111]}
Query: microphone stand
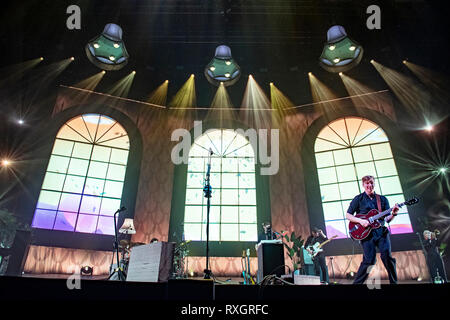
{"type": "Point", "coordinates": [120, 273]}
{"type": "Point", "coordinates": [207, 190]}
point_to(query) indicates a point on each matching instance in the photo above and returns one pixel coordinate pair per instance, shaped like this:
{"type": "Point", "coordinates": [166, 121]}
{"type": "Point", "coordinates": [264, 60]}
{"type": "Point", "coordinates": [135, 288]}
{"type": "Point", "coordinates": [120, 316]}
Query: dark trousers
{"type": "Point", "coordinates": [378, 238]}
{"type": "Point", "coordinates": [435, 266]}
{"type": "Point", "coordinates": [321, 265]}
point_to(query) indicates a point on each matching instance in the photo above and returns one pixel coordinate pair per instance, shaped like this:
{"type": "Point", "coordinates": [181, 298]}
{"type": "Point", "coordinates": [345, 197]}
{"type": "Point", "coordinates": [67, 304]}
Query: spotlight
{"type": "Point", "coordinates": [20, 121]}
{"type": "Point", "coordinates": [5, 162]}
{"type": "Point", "coordinates": [350, 275]}
{"type": "Point", "coordinates": [222, 68]}
{"type": "Point", "coordinates": [309, 73]}
{"type": "Point", "coordinates": [340, 53]}
{"type": "Point", "coordinates": [72, 58]}
{"type": "Point", "coordinates": [271, 83]}
{"type": "Point", "coordinates": [133, 72]}
{"type": "Point", "coordinates": [429, 128]}
{"type": "Point", "coordinates": [87, 270]}
{"type": "Point", "coordinates": [340, 73]}
{"type": "Point", "coordinates": [443, 170]}
{"type": "Point", "coordinates": [107, 51]}
{"type": "Point", "coordinates": [372, 61]}
{"type": "Point", "coordinates": [41, 58]}
{"type": "Point", "coordinates": [404, 61]}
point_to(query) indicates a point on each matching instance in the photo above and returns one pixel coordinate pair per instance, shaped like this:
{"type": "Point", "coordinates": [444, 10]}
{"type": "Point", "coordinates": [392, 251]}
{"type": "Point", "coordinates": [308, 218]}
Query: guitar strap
{"type": "Point", "coordinates": [378, 202]}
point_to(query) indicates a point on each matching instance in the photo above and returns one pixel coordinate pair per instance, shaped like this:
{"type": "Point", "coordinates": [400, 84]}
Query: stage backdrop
{"type": "Point", "coordinates": [288, 201]}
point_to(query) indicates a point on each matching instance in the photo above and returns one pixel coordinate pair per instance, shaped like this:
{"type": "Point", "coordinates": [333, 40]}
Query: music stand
{"type": "Point", "coordinates": [127, 228]}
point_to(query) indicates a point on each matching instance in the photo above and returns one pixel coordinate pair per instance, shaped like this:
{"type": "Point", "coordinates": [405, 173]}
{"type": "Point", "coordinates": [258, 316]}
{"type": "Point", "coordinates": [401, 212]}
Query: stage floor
{"type": "Point", "coordinates": [183, 299]}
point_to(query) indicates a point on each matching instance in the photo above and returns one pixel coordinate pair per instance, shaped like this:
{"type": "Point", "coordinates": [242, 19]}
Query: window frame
{"type": "Point", "coordinates": [217, 248]}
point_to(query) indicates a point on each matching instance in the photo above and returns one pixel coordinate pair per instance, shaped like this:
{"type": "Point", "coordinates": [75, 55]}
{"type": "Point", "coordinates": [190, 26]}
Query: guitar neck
{"type": "Point", "coordinates": [386, 212]}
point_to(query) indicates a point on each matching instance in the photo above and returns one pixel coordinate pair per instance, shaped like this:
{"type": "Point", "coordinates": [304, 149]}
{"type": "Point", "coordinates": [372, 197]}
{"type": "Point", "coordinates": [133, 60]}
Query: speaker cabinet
{"type": "Point", "coordinates": [270, 258]}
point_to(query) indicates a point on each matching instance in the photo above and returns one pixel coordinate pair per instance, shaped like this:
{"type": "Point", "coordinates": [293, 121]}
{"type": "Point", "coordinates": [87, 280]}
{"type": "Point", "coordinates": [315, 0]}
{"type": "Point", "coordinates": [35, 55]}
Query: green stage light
{"type": "Point", "coordinates": [340, 53]}
{"type": "Point", "coordinates": [107, 51]}
{"type": "Point", "coordinates": [223, 69]}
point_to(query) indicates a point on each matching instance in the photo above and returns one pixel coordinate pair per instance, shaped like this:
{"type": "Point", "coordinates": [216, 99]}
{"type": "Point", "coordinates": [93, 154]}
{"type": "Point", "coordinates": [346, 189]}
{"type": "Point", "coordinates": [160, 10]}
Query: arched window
{"type": "Point", "coordinates": [83, 183]}
{"type": "Point", "coordinates": [233, 214]}
{"type": "Point", "coordinates": [346, 150]}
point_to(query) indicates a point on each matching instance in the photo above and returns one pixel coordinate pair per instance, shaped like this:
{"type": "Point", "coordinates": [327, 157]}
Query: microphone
{"type": "Point", "coordinates": [210, 151]}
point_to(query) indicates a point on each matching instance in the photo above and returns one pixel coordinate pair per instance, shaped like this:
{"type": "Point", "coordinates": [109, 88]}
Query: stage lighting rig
{"type": "Point", "coordinates": [107, 51]}
{"type": "Point", "coordinates": [340, 53]}
{"type": "Point", "coordinates": [223, 68]}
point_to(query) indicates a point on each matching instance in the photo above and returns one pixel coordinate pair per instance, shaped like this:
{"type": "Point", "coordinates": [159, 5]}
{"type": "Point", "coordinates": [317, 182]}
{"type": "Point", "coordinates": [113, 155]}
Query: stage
{"type": "Point", "coordinates": [97, 288]}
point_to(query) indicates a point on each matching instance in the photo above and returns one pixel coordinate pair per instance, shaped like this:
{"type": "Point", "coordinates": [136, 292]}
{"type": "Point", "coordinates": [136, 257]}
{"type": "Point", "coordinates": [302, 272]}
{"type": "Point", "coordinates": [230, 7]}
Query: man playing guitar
{"type": "Point", "coordinates": [379, 237]}
{"type": "Point", "coordinates": [317, 235]}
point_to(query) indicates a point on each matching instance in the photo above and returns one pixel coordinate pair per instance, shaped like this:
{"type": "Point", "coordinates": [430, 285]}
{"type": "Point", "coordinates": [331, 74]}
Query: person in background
{"type": "Point", "coordinates": [317, 235]}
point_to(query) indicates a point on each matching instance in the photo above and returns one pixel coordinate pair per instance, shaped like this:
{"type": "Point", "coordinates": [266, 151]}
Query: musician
{"type": "Point", "coordinates": [362, 204]}
{"type": "Point", "coordinates": [317, 235]}
{"type": "Point", "coordinates": [434, 259]}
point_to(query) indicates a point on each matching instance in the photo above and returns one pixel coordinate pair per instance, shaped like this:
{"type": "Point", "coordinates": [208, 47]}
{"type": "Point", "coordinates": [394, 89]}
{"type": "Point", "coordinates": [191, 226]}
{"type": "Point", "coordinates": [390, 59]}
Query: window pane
{"type": "Point", "coordinates": [97, 169]}
{"type": "Point", "coordinates": [397, 198]}
{"type": "Point", "coordinates": [247, 165]}
{"type": "Point", "coordinates": [230, 214]}
{"type": "Point", "coordinates": [346, 173]}
{"type": "Point", "coordinates": [65, 221]}
{"type": "Point", "coordinates": [332, 210]}
{"type": "Point", "coordinates": [230, 196]}
{"type": "Point", "coordinates": [119, 156]}
{"type": "Point", "coordinates": [43, 219]}
{"type": "Point", "coordinates": [214, 232]}
{"type": "Point", "coordinates": [192, 231]}
{"type": "Point", "coordinates": [48, 200]}
{"type": "Point", "coordinates": [116, 172]}
{"type": "Point", "coordinates": [364, 169]}
{"type": "Point", "coordinates": [194, 196]}
{"type": "Point", "coordinates": [390, 185]}
{"type": "Point", "coordinates": [87, 223]}
{"type": "Point", "coordinates": [327, 175]}
{"type": "Point", "coordinates": [53, 181]}
{"type": "Point", "coordinates": [194, 180]}
{"type": "Point", "coordinates": [82, 150]}
{"type": "Point", "coordinates": [197, 165]}
{"type": "Point", "coordinates": [58, 164]}
{"type": "Point", "coordinates": [109, 206]}
{"type": "Point", "coordinates": [214, 214]}
{"type": "Point", "coordinates": [230, 180]}
{"type": "Point", "coordinates": [247, 196]}
{"type": "Point", "coordinates": [230, 232]}
{"type": "Point", "coordinates": [386, 168]}
{"type": "Point", "coordinates": [401, 224]}
{"type": "Point", "coordinates": [193, 214]}
{"type": "Point", "coordinates": [343, 156]}
{"type": "Point", "coordinates": [113, 189]}
{"type": "Point", "coordinates": [247, 214]}
{"type": "Point", "coordinates": [74, 184]}
{"type": "Point", "coordinates": [230, 164]}
{"type": "Point", "coordinates": [361, 154]}
{"type": "Point", "coordinates": [90, 205]}
{"type": "Point", "coordinates": [248, 232]}
{"type": "Point", "coordinates": [381, 151]}
{"type": "Point", "coordinates": [247, 180]}
{"type": "Point", "coordinates": [69, 202]}
{"type": "Point", "coordinates": [348, 190]}
{"type": "Point", "coordinates": [338, 228]}
{"type": "Point", "coordinates": [324, 159]}
{"type": "Point", "coordinates": [94, 186]}
{"type": "Point", "coordinates": [329, 192]}
{"type": "Point", "coordinates": [105, 225]}
{"type": "Point", "coordinates": [62, 147]}
{"type": "Point", "coordinates": [78, 167]}
{"type": "Point", "coordinates": [101, 153]}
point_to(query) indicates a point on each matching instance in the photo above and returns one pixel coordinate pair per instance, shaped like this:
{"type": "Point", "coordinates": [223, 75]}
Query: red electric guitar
{"type": "Point", "coordinates": [358, 232]}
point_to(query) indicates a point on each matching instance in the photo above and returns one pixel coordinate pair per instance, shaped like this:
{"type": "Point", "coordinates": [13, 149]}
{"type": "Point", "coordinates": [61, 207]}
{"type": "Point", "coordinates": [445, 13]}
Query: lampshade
{"type": "Point", "coordinates": [222, 68]}
{"type": "Point", "coordinates": [340, 53]}
{"type": "Point", "coordinates": [127, 227]}
{"type": "Point", "coordinates": [107, 51]}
